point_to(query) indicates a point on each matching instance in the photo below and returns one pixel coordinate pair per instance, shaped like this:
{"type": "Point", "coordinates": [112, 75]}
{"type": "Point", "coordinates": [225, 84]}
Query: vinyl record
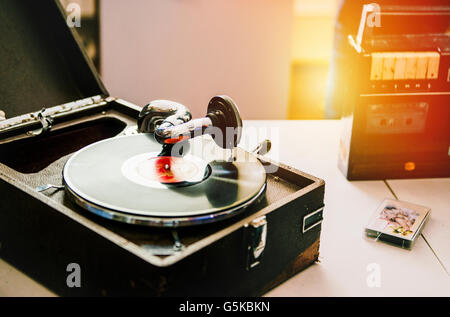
{"type": "Point", "coordinates": [125, 179]}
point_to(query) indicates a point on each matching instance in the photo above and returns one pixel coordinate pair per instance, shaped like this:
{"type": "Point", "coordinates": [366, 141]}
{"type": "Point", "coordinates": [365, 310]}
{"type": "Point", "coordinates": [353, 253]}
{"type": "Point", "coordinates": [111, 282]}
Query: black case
{"type": "Point", "coordinates": [41, 234]}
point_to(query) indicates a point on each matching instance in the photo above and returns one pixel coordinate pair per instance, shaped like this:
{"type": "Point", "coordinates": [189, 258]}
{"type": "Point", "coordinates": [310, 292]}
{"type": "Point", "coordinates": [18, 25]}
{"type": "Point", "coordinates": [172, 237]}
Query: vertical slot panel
{"type": "Point", "coordinates": [400, 66]}
{"type": "Point", "coordinates": [422, 63]}
{"type": "Point", "coordinates": [376, 71]}
{"type": "Point", "coordinates": [411, 66]}
{"type": "Point", "coordinates": [433, 65]}
{"type": "Point", "coordinates": [388, 66]}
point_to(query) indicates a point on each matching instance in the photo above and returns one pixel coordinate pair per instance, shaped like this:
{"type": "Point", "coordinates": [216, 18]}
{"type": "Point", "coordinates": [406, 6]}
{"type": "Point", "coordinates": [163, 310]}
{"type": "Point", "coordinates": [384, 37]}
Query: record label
{"type": "Point", "coordinates": [155, 171]}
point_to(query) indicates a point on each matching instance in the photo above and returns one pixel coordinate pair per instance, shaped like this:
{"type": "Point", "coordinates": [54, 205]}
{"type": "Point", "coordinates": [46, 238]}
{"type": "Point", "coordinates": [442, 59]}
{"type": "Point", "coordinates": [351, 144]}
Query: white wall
{"type": "Point", "coordinates": [191, 50]}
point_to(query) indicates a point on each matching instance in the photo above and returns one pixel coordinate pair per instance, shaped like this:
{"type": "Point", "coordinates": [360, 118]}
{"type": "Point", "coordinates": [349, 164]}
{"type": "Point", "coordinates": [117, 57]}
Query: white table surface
{"type": "Point", "coordinates": [434, 193]}
{"type": "Point", "coordinates": [345, 256]}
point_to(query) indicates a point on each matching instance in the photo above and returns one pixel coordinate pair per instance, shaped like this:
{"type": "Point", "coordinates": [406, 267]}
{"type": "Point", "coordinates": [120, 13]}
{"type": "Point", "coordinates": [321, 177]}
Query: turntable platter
{"type": "Point", "coordinates": [123, 178]}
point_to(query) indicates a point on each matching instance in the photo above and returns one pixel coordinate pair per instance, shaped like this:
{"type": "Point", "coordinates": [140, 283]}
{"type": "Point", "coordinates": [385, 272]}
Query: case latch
{"type": "Point", "coordinates": [46, 121]}
{"type": "Point", "coordinates": [256, 232]}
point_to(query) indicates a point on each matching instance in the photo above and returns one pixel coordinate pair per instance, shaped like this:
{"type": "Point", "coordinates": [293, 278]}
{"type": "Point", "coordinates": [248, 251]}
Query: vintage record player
{"type": "Point", "coordinates": [146, 201]}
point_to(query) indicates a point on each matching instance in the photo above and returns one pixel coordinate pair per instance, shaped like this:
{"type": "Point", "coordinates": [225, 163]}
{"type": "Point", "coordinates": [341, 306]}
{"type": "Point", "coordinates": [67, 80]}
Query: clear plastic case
{"type": "Point", "coordinates": [397, 222]}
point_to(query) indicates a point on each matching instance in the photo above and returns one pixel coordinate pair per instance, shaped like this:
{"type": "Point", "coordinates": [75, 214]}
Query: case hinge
{"type": "Point", "coordinates": [53, 112]}
{"type": "Point", "coordinates": [46, 122]}
{"type": "Point", "coordinates": [256, 234]}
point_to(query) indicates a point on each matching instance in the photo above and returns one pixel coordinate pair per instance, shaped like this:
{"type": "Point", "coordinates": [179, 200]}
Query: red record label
{"type": "Point", "coordinates": [171, 170]}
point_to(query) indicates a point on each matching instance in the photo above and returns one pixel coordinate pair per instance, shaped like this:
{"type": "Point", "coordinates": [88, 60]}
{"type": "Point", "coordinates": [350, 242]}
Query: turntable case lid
{"type": "Point", "coordinates": [42, 62]}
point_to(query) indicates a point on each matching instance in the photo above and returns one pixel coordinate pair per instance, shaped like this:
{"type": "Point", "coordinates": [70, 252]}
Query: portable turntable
{"type": "Point", "coordinates": [135, 179]}
{"type": "Point", "coordinates": [170, 207]}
